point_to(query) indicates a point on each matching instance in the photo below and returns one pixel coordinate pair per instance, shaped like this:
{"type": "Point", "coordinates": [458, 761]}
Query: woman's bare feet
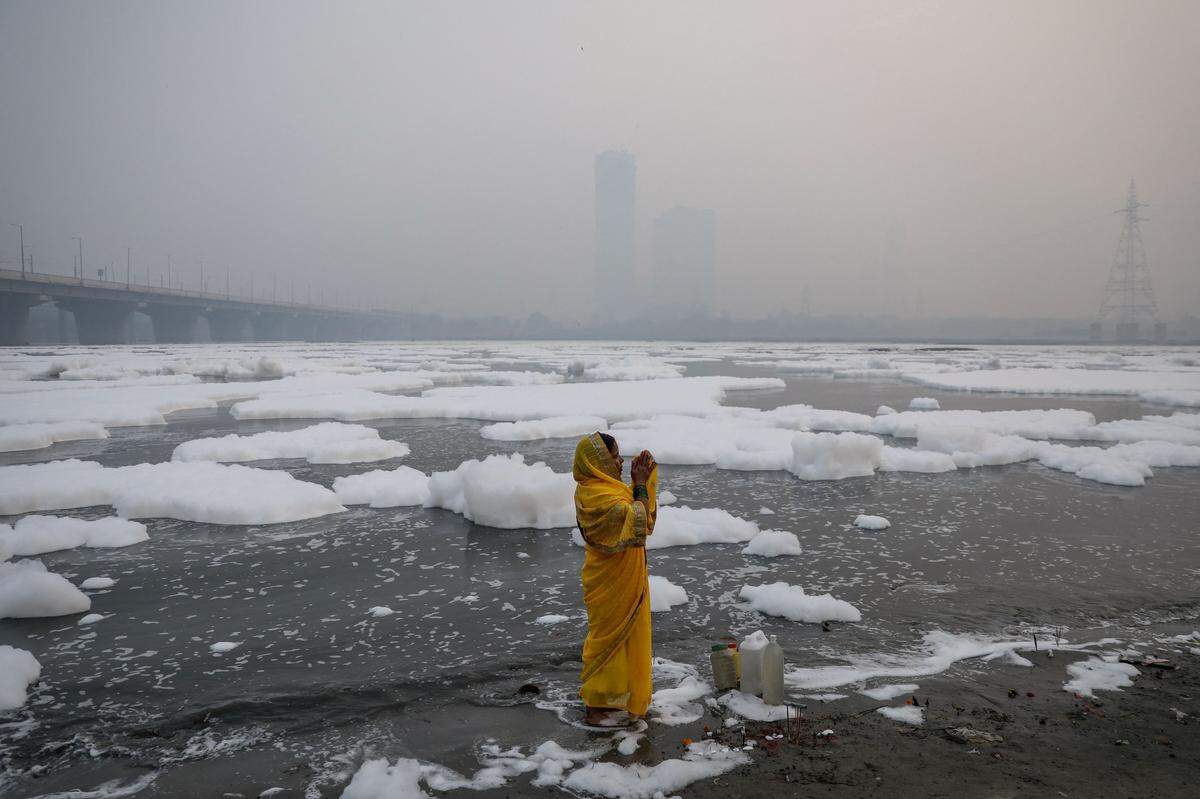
{"type": "Point", "coordinates": [600, 716]}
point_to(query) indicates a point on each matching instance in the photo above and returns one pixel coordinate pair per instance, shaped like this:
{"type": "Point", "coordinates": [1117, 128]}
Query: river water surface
{"type": "Point", "coordinates": [140, 703]}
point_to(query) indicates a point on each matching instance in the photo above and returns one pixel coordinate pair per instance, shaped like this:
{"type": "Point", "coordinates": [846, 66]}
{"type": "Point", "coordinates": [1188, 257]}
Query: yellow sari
{"type": "Point", "coordinates": [616, 590]}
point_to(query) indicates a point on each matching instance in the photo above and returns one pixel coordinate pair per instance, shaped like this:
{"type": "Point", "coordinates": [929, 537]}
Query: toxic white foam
{"type": "Point", "coordinates": [329, 442]}
{"type": "Point", "coordinates": [200, 492]}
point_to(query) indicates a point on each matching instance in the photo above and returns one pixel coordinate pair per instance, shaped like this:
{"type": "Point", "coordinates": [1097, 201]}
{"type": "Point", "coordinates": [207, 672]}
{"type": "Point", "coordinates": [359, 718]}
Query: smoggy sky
{"type": "Point", "coordinates": [915, 158]}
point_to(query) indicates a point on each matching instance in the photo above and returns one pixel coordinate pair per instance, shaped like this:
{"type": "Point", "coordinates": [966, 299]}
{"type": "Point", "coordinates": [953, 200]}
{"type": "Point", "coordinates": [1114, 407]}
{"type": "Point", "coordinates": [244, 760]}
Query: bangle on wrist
{"type": "Point", "coordinates": [641, 492]}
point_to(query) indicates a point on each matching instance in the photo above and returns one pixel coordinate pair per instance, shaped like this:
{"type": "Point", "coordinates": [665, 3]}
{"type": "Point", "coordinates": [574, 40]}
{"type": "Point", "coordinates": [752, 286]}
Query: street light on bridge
{"type": "Point", "coordinates": [22, 229]}
{"type": "Point", "coordinates": [80, 240]}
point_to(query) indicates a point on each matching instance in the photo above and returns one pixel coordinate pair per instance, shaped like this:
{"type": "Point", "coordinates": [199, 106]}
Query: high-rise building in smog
{"type": "Point", "coordinates": [616, 184]}
{"type": "Point", "coordinates": [685, 258]}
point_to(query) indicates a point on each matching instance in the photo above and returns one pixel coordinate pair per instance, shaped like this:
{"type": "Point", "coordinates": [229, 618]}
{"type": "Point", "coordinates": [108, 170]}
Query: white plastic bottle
{"type": "Point", "coordinates": [772, 673]}
{"type": "Point", "coordinates": [752, 649]}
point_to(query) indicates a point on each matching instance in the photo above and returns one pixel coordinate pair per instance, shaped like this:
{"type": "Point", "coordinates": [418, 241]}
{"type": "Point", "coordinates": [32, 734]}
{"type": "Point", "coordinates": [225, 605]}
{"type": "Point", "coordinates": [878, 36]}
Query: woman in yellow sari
{"type": "Point", "coordinates": [615, 520]}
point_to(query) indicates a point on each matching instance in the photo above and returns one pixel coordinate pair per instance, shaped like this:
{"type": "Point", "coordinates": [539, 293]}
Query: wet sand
{"type": "Point", "coordinates": [1119, 744]}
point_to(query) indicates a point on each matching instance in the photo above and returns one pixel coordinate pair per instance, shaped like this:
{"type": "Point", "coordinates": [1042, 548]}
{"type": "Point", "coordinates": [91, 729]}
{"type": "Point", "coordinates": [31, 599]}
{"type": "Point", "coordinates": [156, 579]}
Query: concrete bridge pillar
{"type": "Point", "coordinates": [278, 327]}
{"type": "Point", "coordinates": [323, 327]}
{"type": "Point", "coordinates": [100, 321]}
{"type": "Point", "coordinates": [66, 325]}
{"type": "Point", "coordinates": [334, 328]}
{"type": "Point", "coordinates": [226, 325]}
{"type": "Point", "coordinates": [374, 330]}
{"type": "Point", "coordinates": [14, 318]}
{"type": "Point", "coordinates": [173, 324]}
{"type": "Point", "coordinates": [345, 328]}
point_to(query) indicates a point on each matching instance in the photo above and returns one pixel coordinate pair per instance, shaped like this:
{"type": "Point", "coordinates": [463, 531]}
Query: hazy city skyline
{"type": "Point", "coordinates": [930, 158]}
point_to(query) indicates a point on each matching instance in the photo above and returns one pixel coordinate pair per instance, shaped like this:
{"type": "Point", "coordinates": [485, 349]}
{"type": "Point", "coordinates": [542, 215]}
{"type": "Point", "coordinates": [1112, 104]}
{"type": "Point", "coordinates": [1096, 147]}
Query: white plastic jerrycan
{"type": "Point", "coordinates": [752, 649]}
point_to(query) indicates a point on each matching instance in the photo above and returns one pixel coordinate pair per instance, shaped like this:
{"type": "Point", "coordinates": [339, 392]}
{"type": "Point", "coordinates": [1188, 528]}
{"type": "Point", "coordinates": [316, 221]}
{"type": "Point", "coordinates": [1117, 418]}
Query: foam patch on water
{"type": "Point", "coordinates": [505, 403]}
{"type": "Point", "coordinates": [664, 594]}
{"type": "Point", "coordinates": [504, 491]}
{"type": "Point", "coordinates": [29, 590]}
{"type": "Point", "coordinates": [199, 492]}
{"type": "Point", "coordinates": [18, 670]}
{"type": "Point", "coordinates": [549, 765]}
{"type": "Point", "coordinates": [748, 439]}
{"type": "Point", "coordinates": [383, 489]}
{"type": "Point", "coordinates": [834, 456]}
{"type": "Point", "coordinates": [36, 535]}
{"type": "Point", "coordinates": [773, 544]}
{"type": "Point", "coordinates": [792, 603]}
{"type": "Point", "coordinates": [1099, 674]}
{"type": "Point", "coordinates": [939, 651]}
{"type": "Point", "coordinates": [702, 760]}
{"type": "Point", "coordinates": [683, 526]}
{"type": "Point", "coordinates": [16, 437]}
{"type": "Point", "coordinates": [554, 427]}
{"type": "Point", "coordinates": [1081, 382]}
{"type": "Point", "coordinates": [329, 442]}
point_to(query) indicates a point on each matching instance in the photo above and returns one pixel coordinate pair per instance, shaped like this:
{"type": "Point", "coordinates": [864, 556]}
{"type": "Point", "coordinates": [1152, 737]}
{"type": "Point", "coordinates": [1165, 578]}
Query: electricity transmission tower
{"type": "Point", "coordinates": [1129, 296]}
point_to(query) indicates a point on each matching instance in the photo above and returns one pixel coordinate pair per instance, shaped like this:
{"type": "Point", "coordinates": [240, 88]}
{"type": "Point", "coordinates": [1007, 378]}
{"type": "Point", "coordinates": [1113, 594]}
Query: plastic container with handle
{"type": "Point", "coordinates": [752, 649]}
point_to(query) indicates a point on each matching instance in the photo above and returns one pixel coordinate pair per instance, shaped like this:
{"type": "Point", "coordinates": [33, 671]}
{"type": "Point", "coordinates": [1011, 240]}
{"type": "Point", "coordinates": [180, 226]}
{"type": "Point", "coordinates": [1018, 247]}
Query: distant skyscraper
{"type": "Point", "coordinates": [616, 183]}
{"type": "Point", "coordinates": [685, 259]}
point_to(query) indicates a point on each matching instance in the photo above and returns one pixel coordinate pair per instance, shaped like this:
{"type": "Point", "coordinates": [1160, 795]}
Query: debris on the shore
{"type": "Point", "coordinates": [1179, 714]}
{"type": "Point", "coordinates": [966, 735]}
{"type": "Point", "coordinates": [1149, 661]}
{"type": "Point", "coordinates": [885, 692]}
{"type": "Point", "coordinates": [529, 689]}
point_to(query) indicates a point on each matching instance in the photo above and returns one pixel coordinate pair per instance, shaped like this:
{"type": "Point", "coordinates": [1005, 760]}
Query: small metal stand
{"type": "Point", "coordinates": [791, 733]}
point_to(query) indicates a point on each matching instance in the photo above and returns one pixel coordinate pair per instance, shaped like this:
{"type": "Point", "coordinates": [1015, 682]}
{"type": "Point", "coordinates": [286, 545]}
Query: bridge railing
{"type": "Point", "coordinates": [161, 291]}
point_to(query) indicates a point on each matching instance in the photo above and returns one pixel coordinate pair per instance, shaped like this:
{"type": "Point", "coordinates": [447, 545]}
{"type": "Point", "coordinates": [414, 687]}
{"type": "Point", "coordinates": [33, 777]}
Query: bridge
{"type": "Point", "coordinates": [103, 310]}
